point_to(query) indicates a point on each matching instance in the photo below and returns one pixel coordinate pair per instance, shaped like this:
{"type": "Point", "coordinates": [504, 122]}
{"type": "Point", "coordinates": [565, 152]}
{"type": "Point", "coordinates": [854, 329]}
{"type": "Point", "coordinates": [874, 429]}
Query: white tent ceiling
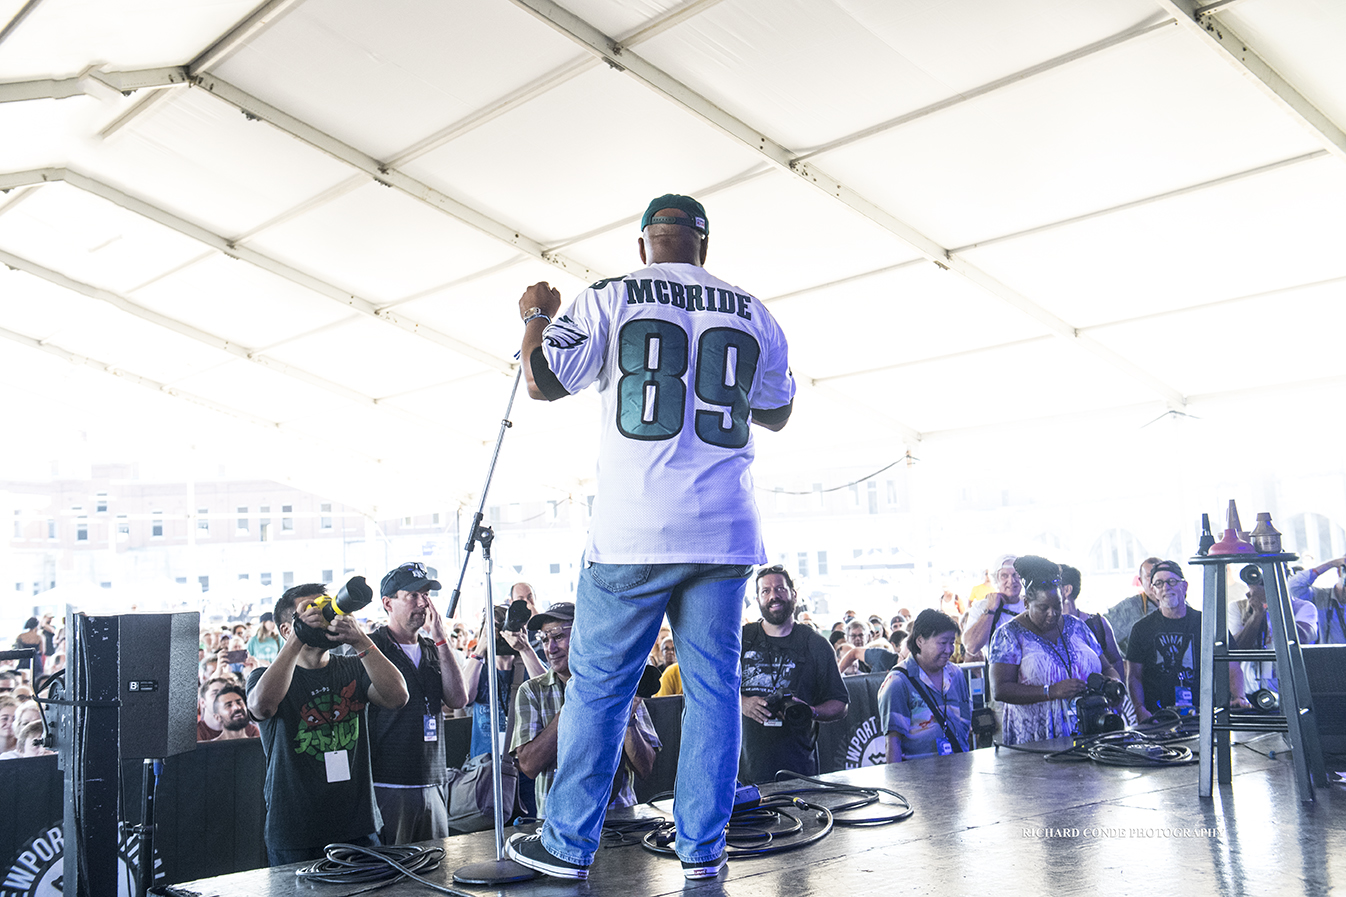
{"type": "Point", "coordinates": [295, 233]}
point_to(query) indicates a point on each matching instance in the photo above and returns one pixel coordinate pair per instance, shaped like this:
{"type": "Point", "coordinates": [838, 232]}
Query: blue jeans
{"type": "Point", "coordinates": [618, 611]}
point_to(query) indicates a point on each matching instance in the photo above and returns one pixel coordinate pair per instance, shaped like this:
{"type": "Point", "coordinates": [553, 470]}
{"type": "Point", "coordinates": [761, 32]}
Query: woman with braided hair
{"type": "Point", "coordinates": [1041, 659]}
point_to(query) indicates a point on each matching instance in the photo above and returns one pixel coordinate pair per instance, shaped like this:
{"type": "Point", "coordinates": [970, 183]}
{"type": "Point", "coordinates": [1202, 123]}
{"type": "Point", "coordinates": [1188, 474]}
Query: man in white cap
{"type": "Point", "coordinates": [996, 609]}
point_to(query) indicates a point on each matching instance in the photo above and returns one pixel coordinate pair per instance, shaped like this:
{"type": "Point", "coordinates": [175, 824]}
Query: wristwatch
{"type": "Point", "coordinates": [532, 313]}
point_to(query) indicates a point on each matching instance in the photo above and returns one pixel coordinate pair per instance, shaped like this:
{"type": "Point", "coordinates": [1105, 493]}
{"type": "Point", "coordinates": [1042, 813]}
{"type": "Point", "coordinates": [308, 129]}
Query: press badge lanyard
{"type": "Point", "coordinates": [935, 711]}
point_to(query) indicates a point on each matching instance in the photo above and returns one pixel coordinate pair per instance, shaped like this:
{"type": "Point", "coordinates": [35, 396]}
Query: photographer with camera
{"type": "Point", "coordinates": [790, 684]}
{"type": "Point", "coordinates": [315, 734]}
{"type": "Point", "coordinates": [511, 644]}
{"type": "Point", "coordinates": [1042, 660]}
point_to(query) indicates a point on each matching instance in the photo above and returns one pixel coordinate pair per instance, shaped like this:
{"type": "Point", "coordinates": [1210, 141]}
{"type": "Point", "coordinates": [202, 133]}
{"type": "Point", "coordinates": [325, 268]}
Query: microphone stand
{"type": "Point", "coordinates": [472, 536]}
{"type": "Point", "coordinates": [502, 870]}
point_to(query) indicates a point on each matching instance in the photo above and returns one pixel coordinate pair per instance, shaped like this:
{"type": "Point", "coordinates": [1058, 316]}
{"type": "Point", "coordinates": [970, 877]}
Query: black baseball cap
{"type": "Point", "coordinates": [410, 577]}
{"type": "Point", "coordinates": [697, 219]}
{"type": "Point", "coordinates": [1170, 566]}
{"type": "Point", "coordinates": [561, 612]}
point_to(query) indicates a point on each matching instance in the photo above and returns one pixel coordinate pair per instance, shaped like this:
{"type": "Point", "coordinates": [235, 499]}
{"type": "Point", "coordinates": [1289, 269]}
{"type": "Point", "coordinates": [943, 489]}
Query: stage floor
{"type": "Point", "coordinates": [996, 822]}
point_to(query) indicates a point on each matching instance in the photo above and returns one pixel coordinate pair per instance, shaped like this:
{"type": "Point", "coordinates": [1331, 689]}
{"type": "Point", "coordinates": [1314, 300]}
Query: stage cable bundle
{"type": "Point", "coordinates": [1156, 745]}
{"type": "Point", "coordinates": [775, 823]}
{"type": "Point", "coordinates": [348, 864]}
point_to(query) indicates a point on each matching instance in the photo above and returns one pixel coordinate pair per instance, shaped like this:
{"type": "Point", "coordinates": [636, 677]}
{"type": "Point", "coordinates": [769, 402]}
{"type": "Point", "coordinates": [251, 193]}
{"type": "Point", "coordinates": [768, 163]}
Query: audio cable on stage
{"type": "Point", "coordinates": [348, 864]}
{"type": "Point", "coordinates": [775, 823]}
{"type": "Point", "coordinates": [1154, 746]}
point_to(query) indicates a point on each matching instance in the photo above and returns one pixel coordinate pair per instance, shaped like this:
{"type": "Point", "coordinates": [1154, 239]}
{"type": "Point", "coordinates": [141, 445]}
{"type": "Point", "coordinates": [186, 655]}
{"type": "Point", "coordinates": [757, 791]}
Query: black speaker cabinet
{"type": "Point", "coordinates": [157, 667]}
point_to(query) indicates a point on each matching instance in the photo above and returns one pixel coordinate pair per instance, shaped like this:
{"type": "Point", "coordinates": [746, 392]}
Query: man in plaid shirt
{"type": "Point", "coordinates": [537, 711]}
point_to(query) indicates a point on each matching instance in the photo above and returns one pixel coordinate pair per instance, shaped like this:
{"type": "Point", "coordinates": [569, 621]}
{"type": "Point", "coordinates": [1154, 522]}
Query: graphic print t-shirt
{"type": "Point", "coordinates": [322, 714]}
{"type": "Point", "coordinates": [1171, 653]}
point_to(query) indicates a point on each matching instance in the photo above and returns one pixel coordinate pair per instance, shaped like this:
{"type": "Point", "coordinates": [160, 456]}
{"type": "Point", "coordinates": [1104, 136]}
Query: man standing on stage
{"type": "Point", "coordinates": [407, 744]}
{"type": "Point", "coordinates": [790, 684]}
{"type": "Point", "coordinates": [684, 363]}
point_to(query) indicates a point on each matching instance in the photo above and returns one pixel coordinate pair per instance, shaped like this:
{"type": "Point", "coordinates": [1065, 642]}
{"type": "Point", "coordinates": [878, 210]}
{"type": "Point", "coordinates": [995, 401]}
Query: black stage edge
{"type": "Point", "coordinates": [999, 822]}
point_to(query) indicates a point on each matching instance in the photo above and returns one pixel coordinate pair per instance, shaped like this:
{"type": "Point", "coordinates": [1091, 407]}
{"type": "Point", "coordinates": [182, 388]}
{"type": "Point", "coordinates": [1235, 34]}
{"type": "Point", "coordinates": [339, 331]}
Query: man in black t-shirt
{"type": "Point", "coordinates": [315, 737]}
{"type": "Point", "coordinates": [1163, 658]}
{"type": "Point", "coordinates": [784, 666]}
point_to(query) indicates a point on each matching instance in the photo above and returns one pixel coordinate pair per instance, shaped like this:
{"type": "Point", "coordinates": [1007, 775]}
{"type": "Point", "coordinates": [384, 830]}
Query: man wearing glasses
{"type": "Point", "coordinates": [537, 715]}
{"type": "Point", "coordinates": [407, 743]}
{"type": "Point", "coordinates": [1163, 659]}
{"type": "Point", "coordinates": [684, 364]}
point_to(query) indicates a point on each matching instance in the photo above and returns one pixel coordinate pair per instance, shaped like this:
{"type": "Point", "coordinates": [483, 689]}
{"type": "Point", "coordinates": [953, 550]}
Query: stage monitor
{"type": "Point", "coordinates": [1326, 668]}
{"type": "Point", "coordinates": [157, 668]}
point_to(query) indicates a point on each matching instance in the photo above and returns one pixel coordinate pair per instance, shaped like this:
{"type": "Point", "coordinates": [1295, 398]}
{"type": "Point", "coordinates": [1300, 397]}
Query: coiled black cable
{"type": "Point", "coordinates": [1154, 745]}
{"type": "Point", "coordinates": [347, 864]}
{"type": "Point", "coordinates": [775, 824]}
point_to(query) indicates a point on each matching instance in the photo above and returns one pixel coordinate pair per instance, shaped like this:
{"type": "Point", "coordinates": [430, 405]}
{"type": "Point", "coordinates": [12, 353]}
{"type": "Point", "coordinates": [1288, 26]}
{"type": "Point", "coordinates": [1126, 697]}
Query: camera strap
{"type": "Point", "coordinates": [935, 711]}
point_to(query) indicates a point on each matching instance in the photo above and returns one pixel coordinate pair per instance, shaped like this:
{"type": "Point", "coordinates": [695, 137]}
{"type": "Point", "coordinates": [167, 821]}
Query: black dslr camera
{"type": "Point", "coordinates": [1093, 709]}
{"type": "Point", "coordinates": [784, 709]}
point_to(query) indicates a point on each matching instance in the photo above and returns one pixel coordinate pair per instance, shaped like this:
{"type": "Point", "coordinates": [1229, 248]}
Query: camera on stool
{"type": "Point", "coordinates": [1093, 709]}
{"type": "Point", "coordinates": [786, 710]}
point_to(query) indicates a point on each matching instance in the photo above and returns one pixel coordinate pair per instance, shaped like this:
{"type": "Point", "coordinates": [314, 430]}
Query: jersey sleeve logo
{"type": "Point", "coordinates": [563, 334]}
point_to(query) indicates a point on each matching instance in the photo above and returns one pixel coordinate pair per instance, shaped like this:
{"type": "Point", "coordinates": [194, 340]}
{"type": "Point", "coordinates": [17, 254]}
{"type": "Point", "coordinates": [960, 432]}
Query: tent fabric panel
{"type": "Point", "coordinates": [1108, 130]}
{"type": "Point", "coordinates": [571, 160]}
{"type": "Point", "coordinates": [356, 71]}
{"type": "Point", "coordinates": [1280, 229]}
{"type": "Point", "coordinates": [381, 244]}
{"type": "Point", "coordinates": [92, 240]}
{"type": "Point", "coordinates": [201, 159]}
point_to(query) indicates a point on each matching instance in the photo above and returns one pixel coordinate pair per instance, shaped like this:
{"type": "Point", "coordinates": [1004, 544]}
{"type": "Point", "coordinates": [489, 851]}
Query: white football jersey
{"type": "Point", "coordinates": [680, 358]}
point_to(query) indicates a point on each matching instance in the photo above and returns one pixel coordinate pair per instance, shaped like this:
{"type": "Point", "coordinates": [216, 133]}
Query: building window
{"type": "Point", "coordinates": [265, 579]}
{"type": "Point", "coordinates": [325, 521]}
{"type": "Point", "coordinates": [242, 526]}
{"type": "Point", "coordinates": [157, 524]}
{"type": "Point", "coordinates": [872, 491]}
{"type": "Point", "coordinates": [555, 568]}
{"type": "Point", "coordinates": [81, 528]}
{"type": "Point", "coordinates": [434, 519]}
{"type": "Point", "coordinates": [51, 531]}
{"type": "Point", "coordinates": [205, 583]}
{"type": "Point", "coordinates": [286, 522]}
{"type": "Point", "coordinates": [242, 576]}
{"type": "Point", "coordinates": [203, 520]}
{"type": "Point", "coordinates": [264, 530]}
{"type": "Point", "coordinates": [286, 580]}
{"type": "Point", "coordinates": [406, 521]}
{"type": "Point", "coordinates": [123, 525]}
{"type": "Point", "coordinates": [822, 563]}
{"type": "Point", "coordinates": [803, 564]}
{"type": "Point", "coordinates": [18, 524]}
{"type": "Point", "coordinates": [100, 503]}
{"type": "Point", "coordinates": [327, 577]}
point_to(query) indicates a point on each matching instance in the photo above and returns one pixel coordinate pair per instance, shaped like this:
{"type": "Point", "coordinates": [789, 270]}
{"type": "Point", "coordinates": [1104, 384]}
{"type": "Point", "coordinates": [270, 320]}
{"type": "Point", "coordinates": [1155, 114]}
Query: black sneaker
{"type": "Point", "coordinates": [708, 869]}
{"type": "Point", "coordinates": [527, 850]}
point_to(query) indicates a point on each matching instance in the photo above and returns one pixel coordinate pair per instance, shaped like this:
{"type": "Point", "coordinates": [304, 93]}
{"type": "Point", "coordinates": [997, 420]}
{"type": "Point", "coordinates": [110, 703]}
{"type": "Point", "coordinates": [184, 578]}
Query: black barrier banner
{"type": "Point", "coordinates": [857, 739]}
